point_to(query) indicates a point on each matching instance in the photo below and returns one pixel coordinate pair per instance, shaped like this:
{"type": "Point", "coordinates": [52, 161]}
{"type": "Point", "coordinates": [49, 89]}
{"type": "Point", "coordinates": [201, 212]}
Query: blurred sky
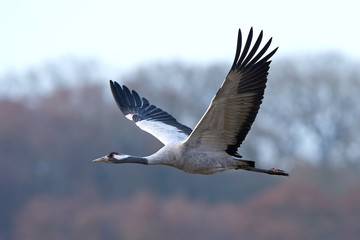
{"type": "Point", "coordinates": [124, 34]}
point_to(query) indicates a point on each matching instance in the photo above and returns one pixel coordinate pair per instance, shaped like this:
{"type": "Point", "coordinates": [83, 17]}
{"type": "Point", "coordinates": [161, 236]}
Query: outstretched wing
{"type": "Point", "coordinates": [232, 111]}
{"type": "Point", "coordinates": [148, 117]}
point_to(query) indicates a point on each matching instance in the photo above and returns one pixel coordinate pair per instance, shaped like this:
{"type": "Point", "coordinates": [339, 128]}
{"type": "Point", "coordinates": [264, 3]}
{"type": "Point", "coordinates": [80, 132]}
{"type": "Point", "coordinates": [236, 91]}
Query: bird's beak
{"type": "Point", "coordinates": [102, 159]}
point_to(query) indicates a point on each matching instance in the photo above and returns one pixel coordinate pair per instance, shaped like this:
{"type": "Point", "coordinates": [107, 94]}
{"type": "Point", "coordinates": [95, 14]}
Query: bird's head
{"type": "Point", "coordinates": [113, 157]}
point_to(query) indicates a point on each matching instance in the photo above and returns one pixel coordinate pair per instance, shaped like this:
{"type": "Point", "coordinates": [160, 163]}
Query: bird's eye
{"type": "Point", "coordinates": [112, 154]}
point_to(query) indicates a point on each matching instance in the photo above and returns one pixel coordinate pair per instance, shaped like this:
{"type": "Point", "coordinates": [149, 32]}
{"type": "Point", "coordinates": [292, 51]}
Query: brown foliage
{"type": "Point", "coordinates": [50, 189]}
{"type": "Point", "coordinates": [293, 210]}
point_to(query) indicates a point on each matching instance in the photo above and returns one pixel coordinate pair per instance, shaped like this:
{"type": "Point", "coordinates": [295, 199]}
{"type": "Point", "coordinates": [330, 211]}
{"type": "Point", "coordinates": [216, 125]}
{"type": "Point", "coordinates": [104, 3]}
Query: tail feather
{"type": "Point", "coordinates": [249, 163]}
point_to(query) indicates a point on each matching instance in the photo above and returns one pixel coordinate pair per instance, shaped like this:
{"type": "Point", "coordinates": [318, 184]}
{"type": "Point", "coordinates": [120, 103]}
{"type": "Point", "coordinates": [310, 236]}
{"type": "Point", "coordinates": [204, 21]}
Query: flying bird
{"type": "Point", "coordinates": [213, 144]}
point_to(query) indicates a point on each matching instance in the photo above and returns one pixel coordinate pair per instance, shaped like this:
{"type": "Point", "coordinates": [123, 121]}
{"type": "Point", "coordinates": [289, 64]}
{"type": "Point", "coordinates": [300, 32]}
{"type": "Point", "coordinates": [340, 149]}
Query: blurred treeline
{"type": "Point", "coordinates": [57, 117]}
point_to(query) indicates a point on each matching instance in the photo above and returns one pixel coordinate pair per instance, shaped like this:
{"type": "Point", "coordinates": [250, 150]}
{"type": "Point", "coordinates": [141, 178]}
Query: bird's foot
{"type": "Point", "coordinates": [275, 171]}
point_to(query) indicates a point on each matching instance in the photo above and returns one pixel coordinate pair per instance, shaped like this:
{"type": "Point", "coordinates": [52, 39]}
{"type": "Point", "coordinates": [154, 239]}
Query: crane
{"type": "Point", "coordinates": [213, 144]}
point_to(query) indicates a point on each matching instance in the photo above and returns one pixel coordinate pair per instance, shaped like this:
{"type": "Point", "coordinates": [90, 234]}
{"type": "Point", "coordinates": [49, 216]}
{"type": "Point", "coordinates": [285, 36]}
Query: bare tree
{"type": "Point", "coordinates": [312, 110]}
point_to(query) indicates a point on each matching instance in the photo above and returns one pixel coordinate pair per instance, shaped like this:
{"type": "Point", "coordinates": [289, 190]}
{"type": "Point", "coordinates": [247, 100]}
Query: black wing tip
{"type": "Point", "coordinates": [125, 87]}
{"type": "Point", "coordinates": [116, 84]}
{"type": "Point", "coordinates": [273, 51]}
{"type": "Point", "coordinates": [250, 56]}
{"type": "Point", "coordinates": [121, 89]}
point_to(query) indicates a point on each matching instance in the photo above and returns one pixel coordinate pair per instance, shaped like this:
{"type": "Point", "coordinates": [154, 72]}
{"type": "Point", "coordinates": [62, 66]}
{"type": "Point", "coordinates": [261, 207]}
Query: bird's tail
{"type": "Point", "coordinates": [248, 162]}
{"type": "Point", "coordinates": [241, 163]}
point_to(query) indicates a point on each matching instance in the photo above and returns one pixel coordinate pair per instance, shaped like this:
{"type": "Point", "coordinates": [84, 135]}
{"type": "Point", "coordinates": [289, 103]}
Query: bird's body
{"type": "Point", "coordinates": [186, 158]}
{"type": "Point", "coordinates": [212, 146]}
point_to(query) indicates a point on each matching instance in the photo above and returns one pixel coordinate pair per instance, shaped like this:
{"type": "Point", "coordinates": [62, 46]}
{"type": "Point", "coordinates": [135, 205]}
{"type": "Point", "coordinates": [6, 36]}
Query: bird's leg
{"type": "Point", "coordinates": [272, 171]}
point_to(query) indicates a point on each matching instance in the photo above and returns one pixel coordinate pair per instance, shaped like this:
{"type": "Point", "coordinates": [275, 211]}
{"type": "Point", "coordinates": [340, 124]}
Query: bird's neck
{"type": "Point", "coordinates": [133, 159]}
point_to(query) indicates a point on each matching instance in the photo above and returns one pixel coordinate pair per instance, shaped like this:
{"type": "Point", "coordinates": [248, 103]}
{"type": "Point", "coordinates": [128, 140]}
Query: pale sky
{"type": "Point", "coordinates": [124, 34]}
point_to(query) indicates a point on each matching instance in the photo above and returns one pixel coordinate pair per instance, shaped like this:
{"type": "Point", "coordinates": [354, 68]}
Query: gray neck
{"type": "Point", "coordinates": [132, 159]}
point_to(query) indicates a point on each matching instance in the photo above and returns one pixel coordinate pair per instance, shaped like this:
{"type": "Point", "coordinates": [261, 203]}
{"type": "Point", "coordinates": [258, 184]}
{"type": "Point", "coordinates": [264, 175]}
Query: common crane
{"type": "Point", "coordinates": [212, 146]}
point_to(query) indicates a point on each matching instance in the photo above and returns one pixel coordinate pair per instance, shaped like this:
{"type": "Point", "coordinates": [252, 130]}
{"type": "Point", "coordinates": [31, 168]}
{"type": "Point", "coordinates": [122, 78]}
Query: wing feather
{"type": "Point", "coordinates": [233, 110]}
{"type": "Point", "coordinates": [148, 117]}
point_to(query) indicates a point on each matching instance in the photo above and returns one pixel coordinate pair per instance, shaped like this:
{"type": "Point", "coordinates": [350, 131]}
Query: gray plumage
{"type": "Point", "coordinates": [212, 146]}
